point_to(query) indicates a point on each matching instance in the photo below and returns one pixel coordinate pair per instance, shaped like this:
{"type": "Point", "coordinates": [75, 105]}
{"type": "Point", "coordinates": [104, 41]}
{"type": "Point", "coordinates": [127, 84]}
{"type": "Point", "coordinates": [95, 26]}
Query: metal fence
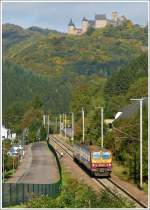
{"type": "Point", "coordinates": [16, 193]}
{"type": "Point", "coordinates": [56, 156]}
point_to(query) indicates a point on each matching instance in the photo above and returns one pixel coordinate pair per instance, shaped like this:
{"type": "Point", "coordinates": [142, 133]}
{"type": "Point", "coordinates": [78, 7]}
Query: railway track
{"type": "Point", "coordinates": [106, 183]}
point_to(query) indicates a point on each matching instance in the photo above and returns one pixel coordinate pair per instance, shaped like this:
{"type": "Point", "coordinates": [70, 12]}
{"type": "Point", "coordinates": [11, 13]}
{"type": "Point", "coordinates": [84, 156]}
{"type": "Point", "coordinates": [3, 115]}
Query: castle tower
{"type": "Point", "coordinates": [71, 28]}
{"type": "Point", "coordinates": [84, 25]}
{"type": "Point", "coordinates": [114, 16]}
{"type": "Point", "coordinates": [100, 21]}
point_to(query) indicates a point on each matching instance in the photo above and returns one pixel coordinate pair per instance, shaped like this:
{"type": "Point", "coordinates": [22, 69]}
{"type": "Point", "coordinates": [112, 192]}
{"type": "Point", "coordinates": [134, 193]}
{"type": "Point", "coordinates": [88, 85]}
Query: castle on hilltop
{"type": "Point", "coordinates": [100, 22]}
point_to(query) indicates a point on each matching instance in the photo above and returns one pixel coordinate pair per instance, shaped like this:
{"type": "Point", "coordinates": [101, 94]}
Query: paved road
{"type": "Point", "coordinates": [42, 168]}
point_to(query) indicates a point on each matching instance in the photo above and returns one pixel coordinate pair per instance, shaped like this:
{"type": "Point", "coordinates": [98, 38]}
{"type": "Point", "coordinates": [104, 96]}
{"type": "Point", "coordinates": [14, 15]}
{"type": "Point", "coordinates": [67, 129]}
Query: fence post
{"type": "Point", "coordinates": [45, 189]}
{"type": "Point", "coordinates": [23, 192]}
{"type": "Point", "coordinates": [16, 192]}
{"type": "Point", "coordinates": [33, 188]}
{"type": "Point", "coordinates": [38, 189]}
{"type": "Point", "coordinates": [10, 191]}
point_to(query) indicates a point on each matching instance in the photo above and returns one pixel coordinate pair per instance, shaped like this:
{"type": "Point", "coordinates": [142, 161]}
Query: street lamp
{"type": "Point", "coordinates": [44, 121]}
{"type": "Point", "coordinates": [48, 124]}
{"type": "Point", "coordinates": [102, 129]}
{"type": "Point", "coordinates": [65, 125]}
{"type": "Point", "coordinates": [60, 124]}
{"type": "Point", "coordinates": [141, 138]}
{"type": "Point", "coordinates": [56, 124]}
{"type": "Point", "coordinates": [72, 133]}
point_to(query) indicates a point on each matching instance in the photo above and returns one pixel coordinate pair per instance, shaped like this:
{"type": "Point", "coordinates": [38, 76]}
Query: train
{"type": "Point", "coordinates": [98, 161]}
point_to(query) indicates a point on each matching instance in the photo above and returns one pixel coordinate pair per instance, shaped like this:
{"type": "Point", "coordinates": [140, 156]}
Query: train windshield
{"type": "Point", "coordinates": [96, 155]}
{"type": "Point", "coordinates": [106, 155]}
{"type": "Point", "coordinates": [102, 155]}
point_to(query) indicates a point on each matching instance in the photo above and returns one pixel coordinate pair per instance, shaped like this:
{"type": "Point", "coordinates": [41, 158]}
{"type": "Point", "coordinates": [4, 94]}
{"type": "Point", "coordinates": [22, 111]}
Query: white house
{"type": "Point", "coordinates": [7, 134]}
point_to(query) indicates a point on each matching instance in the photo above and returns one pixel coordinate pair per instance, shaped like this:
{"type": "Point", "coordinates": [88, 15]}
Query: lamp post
{"type": "Point", "coordinates": [83, 125]}
{"type": "Point", "coordinates": [72, 133]}
{"type": "Point", "coordinates": [44, 121]}
{"type": "Point", "coordinates": [141, 138]}
{"type": "Point", "coordinates": [102, 127]}
{"type": "Point", "coordinates": [65, 125]}
{"type": "Point", "coordinates": [48, 124]}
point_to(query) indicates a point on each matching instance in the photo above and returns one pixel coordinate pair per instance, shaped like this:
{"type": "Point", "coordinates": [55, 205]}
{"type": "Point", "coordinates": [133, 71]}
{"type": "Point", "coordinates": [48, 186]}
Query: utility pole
{"type": "Point", "coordinates": [60, 124]}
{"type": "Point", "coordinates": [102, 126]}
{"type": "Point", "coordinates": [102, 129]}
{"type": "Point", "coordinates": [48, 124]}
{"type": "Point", "coordinates": [44, 121]}
{"type": "Point", "coordinates": [65, 125]}
{"type": "Point", "coordinates": [56, 124]}
{"type": "Point", "coordinates": [63, 117]}
{"type": "Point", "coordinates": [83, 125]}
{"type": "Point", "coordinates": [72, 133]}
{"type": "Point", "coordinates": [141, 139]}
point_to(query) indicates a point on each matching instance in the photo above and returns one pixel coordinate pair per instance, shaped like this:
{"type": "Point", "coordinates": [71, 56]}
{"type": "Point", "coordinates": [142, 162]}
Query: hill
{"type": "Point", "coordinates": [130, 81]}
{"type": "Point", "coordinates": [100, 52]}
{"type": "Point", "coordinates": [21, 87]}
{"type": "Point", "coordinates": [13, 34]}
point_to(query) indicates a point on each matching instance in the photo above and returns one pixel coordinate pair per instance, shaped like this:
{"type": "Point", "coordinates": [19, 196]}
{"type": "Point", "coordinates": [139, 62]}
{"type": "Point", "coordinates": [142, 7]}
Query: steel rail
{"type": "Point", "coordinates": [60, 143]}
{"type": "Point", "coordinates": [64, 149]}
{"type": "Point", "coordinates": [128, 193]}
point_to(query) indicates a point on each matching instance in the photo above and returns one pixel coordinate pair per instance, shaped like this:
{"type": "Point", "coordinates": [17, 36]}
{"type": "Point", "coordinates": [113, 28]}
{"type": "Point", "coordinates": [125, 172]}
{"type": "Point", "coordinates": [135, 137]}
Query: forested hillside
{"type": "Point", "coordinates": [75, 67]}
{"type": "Point", "coordinates": [130, 81]}
{"type": "Point", "coordinates": [51, 72]}
{"type": "Point", "coordinates": [100, 51]}
{"type": "Point", "coordinates": [13, 34]}
{"type": "Point", "coordinates": [21, 87]}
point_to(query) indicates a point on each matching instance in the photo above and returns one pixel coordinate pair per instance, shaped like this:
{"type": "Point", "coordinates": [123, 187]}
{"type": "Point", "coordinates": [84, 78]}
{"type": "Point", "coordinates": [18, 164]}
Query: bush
{"type": "Point", "coordinates": [78, 195]}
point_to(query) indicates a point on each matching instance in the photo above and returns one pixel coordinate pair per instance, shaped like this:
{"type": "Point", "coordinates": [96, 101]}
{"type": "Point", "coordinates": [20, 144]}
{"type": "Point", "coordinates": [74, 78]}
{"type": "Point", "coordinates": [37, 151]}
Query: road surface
{"type": "Point", "coordinates": [40, 167]}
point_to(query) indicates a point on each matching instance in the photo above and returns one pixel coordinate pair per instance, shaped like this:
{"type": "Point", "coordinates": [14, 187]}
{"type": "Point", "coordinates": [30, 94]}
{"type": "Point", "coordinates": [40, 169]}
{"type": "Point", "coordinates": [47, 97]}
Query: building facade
{"type": "Point", "coordinates": [7, 134]}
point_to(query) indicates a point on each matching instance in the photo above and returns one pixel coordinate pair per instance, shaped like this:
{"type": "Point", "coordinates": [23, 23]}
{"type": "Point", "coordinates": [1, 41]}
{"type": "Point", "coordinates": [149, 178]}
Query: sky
{"type": "Point", "coordinates": [56, 16]}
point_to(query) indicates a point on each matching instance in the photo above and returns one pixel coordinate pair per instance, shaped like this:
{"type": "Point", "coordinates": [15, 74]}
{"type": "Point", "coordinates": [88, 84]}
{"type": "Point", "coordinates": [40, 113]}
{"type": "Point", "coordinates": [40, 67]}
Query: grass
{"type": "Point", "coordinates": [9, 174]}
{"type": "Point", "coordinates": [145, 187]}
{"type": "Point", "coordinates": [121, 171]}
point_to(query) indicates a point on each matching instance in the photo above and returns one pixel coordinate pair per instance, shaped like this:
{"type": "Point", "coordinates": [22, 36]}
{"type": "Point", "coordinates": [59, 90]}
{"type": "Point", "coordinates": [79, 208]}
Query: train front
{"type": "Point", "coordinates": [101, 163]}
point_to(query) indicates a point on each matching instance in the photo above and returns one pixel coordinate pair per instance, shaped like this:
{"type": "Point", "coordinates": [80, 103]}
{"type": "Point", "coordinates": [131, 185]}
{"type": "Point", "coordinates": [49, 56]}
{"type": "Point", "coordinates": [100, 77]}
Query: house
{"type": "Point", "coordinates": [7, 134]}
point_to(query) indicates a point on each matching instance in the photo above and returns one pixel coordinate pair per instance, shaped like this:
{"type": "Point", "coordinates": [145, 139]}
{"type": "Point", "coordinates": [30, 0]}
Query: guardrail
{"type": "Point", "coordinates": [56, 156]}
